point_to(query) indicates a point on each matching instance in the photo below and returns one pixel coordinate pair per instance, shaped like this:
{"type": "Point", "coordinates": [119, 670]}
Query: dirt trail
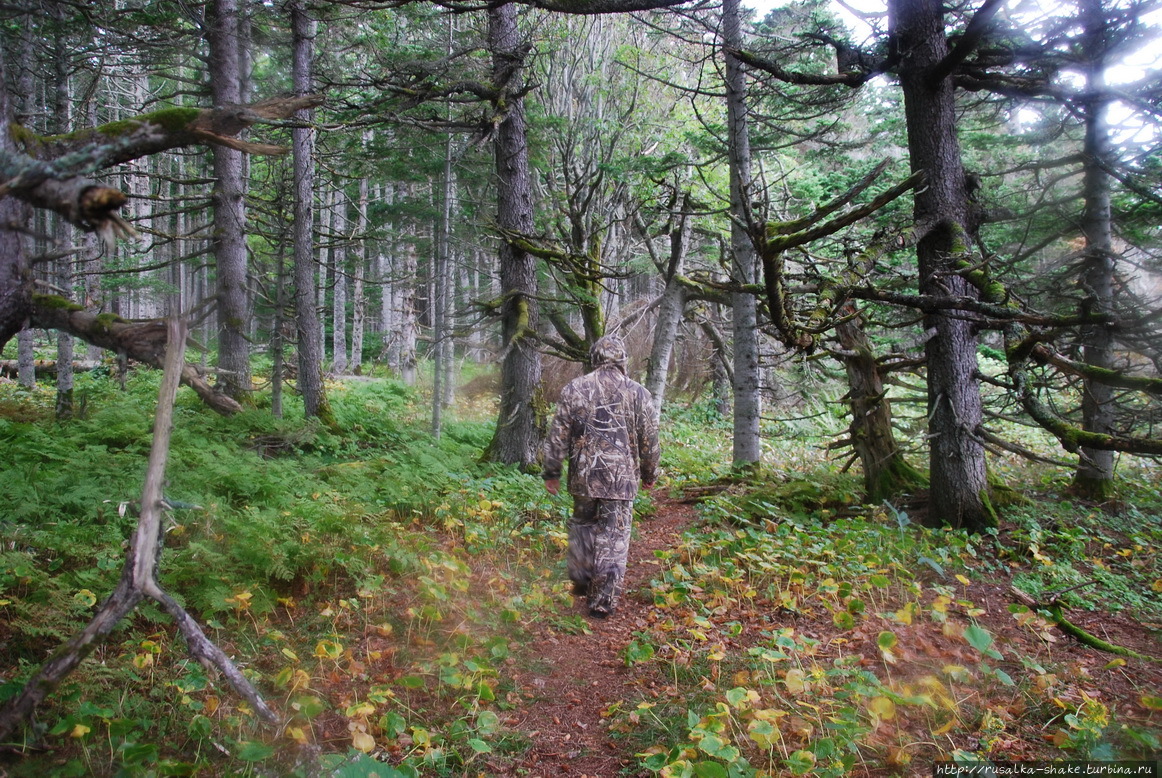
{"type": "Point", "coordinates": [568, 679]}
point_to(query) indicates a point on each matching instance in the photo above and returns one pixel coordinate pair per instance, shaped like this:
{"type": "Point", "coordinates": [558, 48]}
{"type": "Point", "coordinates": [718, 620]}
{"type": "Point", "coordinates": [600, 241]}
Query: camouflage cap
{"type": "Point", "coordinates": [609, 351]}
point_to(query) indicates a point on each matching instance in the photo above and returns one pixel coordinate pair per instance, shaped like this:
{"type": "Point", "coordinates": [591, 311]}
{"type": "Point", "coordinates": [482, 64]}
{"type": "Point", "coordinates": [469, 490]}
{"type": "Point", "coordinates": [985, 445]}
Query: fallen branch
{"type": "Point", "coordinates": [138, 577]}
{"type": "Point", "coordinates": [1056, 615]}
{"type": "Point", "coordinates": [144, 341]}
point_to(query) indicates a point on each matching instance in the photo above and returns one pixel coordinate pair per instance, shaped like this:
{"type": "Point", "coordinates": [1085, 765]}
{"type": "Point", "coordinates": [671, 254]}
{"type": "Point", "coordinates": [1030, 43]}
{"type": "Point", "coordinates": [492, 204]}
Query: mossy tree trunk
{"type": "Point", "coordinates": [886, 474]}
{"type": "Point", "coordinates": [518, 430]}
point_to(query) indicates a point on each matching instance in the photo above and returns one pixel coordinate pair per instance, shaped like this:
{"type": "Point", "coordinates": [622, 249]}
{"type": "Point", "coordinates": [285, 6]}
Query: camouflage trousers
{"type": "Point", "coordinates": [598, 547]}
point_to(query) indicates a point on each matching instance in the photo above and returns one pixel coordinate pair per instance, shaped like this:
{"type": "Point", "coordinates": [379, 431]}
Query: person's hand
{"type": "Point", "coordinates": [553, 485]}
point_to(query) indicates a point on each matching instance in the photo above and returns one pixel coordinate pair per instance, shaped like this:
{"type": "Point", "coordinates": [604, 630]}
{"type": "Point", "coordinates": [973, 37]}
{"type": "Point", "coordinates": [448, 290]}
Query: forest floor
{"type": "Point", "coordinates": [574, 677]}
{"type": "Point", "coordinates": [575, 682]}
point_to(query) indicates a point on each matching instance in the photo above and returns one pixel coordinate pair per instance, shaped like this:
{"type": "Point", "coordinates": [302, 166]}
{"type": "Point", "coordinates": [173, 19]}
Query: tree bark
{"type": "Point", "coordinates": [358, 288]}
{"type": "Point", "coordinates": [746, 384]}
{"type": "Point", "coordinates": [340, 274]}
{"type": "Point", "coordinates": [518, 429]}
{"type": "Point", "coordinates": [310, 342]}
{"type": "Point", "coordinates": [62, 115]}
{"type": "Point", "coordinates": [670, 310]}
{"type": "Point", "coordinates": [886, 474]}
{"type": "Point", "coordinates": [1094, 477]}
{"type": "Point", "coordinates": [229, 242]}
{"type": "Point", "coordinates": [959, 488]}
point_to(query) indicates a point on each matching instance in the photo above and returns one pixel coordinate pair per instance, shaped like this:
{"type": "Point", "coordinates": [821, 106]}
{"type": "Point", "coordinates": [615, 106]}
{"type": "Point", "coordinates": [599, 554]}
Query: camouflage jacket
{"type": "Point", "coordinates": [605, 426]}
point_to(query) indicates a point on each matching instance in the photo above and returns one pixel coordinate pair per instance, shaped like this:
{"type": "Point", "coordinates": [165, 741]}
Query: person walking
{"type": "Point", "coordinates": [605, 426]}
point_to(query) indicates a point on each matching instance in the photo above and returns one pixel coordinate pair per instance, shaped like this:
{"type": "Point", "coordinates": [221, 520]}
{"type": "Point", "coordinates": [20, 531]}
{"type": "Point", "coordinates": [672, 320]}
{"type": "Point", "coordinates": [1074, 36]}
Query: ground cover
{"type": "Point", "coordinates": [404, 608]}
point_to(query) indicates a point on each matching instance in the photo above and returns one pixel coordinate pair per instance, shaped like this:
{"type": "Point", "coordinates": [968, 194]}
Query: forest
{"type": "Point", "coordinates": [289, 290]}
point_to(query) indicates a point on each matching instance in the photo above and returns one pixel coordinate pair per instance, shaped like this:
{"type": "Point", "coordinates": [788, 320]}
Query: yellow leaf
{"type": "Point", "coordinates": [362, 741]}
{"type": "Point", "coordinates": [80, 730]}
{"type": "Point", "coordinates": [796, 681]}
{"type": "Point", "coordinates": [882, 708]}
{"type": "Point", "coordinates": [1157, 585]}
{"type": "Point", "coordinates": [85, 598]}
{"type": "Point", "coordinates": [945, 728]}
{"type": "Point", "coordinates": [291, 655]}
{"type": "Point", "coordinates": [328, 649]}
{"type": "Point", "coordinates": [1115, 663]}
{"type": "Point", "coordinates": [361, 710]}
{"type": "Point", "coordinates": [298, 735]}
{"type": "Point", "coordinates": [898, 757]}
{"type": "Point", "coordinates": [963, 579]}
{"type": "Point", "coordinates": [958, 673]}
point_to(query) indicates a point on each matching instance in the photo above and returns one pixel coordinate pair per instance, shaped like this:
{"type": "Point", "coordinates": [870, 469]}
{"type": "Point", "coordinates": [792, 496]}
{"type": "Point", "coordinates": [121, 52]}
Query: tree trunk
{"type": "Point", "coordinates": [358, 288]}
{"type": "Point", "coordinates": [62, 119]}
{"type": "Point", "coordinates": [1094, 477]}
{"type": "Point", "coordinates": [408, 326]}
{"type": "Point", "coordinates": [518, 429]}
{"type": "Point", "coordinates": [886, 474]}
{"type": "Point", "coordinates": [229, 242]}
{"type": "Point", "coordinates": [340, 274]}
{"type": "Point", "coordinates": [440, 282]}
{"type": "Point", "coordinates": [959, 489]}
{"type": "Point", "coordinates": [747, 396]}
{"type": "Point", "coordinates": [310, 343]}
{"type": "Point", "coordinates": [15, 291]}
{"type": "Point", "coordinates": [669, 311]}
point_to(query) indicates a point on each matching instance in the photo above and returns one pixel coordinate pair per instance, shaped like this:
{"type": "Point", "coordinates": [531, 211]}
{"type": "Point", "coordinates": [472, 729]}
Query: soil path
{"type": "Point", "coordinates": [569, 679]}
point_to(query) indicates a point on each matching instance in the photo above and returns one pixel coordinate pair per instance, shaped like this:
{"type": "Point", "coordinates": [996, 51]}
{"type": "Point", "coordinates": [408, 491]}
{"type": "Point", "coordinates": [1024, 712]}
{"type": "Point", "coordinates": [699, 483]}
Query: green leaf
{"type": "Point", "coordinates": [736, 696]}
{"type": "Point", "coordinates": [711, 744]}
{"type": "Point", "coordinates": [981, 639]}
{"type": "Point", "coordinates": [933, 564]}
{"type": "Point", "coordinates": [886, 640]}
{"type": "Point", "coordinates": [636, 653]}
{"type": "Point", "coordinates": [479, 746]}
{"type": "Point", "coordinates": [708, 769]}
{"type": "Point", "coordinates": [411, 682]}
{"type": "Point", "coordinates": [487, 722]}
{"type": "Point", "coordinates": [801, 762]}
{"type": "Point", "coordinates": [1004, 677]}
{"type": "Point", "coordinates": [253, 751]}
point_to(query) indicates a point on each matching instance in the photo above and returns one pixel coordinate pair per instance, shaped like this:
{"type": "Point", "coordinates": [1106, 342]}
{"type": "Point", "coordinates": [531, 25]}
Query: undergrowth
{"type": "Point", "coordinates": [376, 585]}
